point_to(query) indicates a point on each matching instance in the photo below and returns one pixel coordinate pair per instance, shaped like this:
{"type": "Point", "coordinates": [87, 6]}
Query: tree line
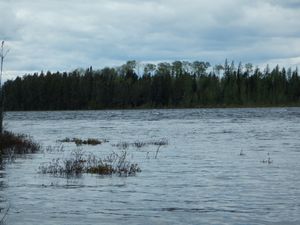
{"type": "Point", "coordinates": [162, 85]}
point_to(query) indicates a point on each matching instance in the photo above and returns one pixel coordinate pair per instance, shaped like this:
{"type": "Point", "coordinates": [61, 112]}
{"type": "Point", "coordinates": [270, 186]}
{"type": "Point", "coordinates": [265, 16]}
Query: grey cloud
{"type": "Point", "coordinates": [60, 35]}
{"type": "Point", "coordinates": [9, 23]}
{"type": "Point", "coordinates": [286, 3]}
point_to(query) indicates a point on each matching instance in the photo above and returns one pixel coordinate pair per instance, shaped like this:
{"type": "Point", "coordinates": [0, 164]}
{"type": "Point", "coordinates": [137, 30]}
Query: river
{"type": "Point", "coordinates": [200, 177]}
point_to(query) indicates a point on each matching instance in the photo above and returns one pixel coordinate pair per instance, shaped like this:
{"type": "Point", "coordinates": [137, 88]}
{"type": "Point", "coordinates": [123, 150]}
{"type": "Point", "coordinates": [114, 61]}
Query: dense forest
{"type": "Point", "coordinates": [165, 85]}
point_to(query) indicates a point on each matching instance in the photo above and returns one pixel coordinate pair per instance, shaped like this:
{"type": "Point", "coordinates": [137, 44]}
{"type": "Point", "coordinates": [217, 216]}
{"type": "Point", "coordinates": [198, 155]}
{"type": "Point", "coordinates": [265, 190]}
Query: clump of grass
{"type": "Point", "coordinates": [105, 169]}
{"type": "Point", "coordinates": [72, 166]}
{"type": "Point", "coordinates": [78, 141]}
{"type": "Point", "coordinates": [90, 141]}
{"type": "Point", "coordinates": [79, 163]}
{"type": "Point", "coordinates": [160, 142]}
{"type": "Point", "coordinates": [56, 148]}
{"type": "Point", "coordinates": [11, 143]}
{"type": "Point", "coordinates": [140, 144]}
{"type": "Point", "coordinates": [67, 140]}
{"type": "Point", "coordinates": [122, 145]}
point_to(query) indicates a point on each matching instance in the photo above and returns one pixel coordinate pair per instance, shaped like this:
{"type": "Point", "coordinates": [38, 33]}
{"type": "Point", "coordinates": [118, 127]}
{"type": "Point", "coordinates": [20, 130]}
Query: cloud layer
{"type": "Point", "coordinates": [64, 35]}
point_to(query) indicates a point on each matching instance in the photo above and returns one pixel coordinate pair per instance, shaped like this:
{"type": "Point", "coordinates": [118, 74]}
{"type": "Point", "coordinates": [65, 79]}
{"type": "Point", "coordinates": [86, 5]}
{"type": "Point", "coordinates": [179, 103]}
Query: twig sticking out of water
{"type": "Point", "coordinates": [157, 150]}
{"type": "Point", "coordinates": [242, 153]}
{"type": "Point", "coordinates": [268, 160]}
{"type": "Point", "coordinates": [147, 156]}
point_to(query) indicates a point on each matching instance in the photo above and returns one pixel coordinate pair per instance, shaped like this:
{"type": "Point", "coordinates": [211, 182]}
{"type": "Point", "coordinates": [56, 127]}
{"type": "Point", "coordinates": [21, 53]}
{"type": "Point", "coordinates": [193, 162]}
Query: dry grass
{"type": "Point", "coordinates": [140, 144]}
{"type": "Point", "coordinates": [78, 141]}
{"type": "Point", "coordinates": [11, 144]}
{"type": "Point", "coordinates": [122, 145]}
{"type": "Point", "coordinates": [79, 163]}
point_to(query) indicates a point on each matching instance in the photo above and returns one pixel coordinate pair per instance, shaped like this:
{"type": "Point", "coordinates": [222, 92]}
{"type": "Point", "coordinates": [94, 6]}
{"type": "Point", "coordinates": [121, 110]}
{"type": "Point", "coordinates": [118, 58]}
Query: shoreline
{"type": "Point", "coordinates": [165, 108]}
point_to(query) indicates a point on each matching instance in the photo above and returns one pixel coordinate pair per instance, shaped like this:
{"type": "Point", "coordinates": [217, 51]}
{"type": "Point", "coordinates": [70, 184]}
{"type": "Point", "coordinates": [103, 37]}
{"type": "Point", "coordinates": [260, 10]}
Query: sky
{"type": "Point", "coordinates": [62, 35]}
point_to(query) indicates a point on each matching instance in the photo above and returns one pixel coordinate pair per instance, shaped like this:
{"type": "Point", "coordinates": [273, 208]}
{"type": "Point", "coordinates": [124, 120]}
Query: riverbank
{"type": "Point", "coordinates": [261, 106]}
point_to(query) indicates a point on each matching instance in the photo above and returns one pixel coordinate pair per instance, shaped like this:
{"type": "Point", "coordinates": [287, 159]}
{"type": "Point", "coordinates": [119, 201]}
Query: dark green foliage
{"type": "Point", "coordinates": [177, 84]}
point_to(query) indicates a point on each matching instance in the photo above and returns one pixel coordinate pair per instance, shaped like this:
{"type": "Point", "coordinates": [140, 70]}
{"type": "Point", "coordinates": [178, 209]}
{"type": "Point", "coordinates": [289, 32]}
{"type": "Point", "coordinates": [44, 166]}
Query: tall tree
{"type": "Point", "coordinates": [178, 84]}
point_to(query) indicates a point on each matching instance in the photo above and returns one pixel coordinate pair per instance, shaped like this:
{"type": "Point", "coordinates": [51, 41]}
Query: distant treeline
{"type": "Point", "coordinates": [165, 85]}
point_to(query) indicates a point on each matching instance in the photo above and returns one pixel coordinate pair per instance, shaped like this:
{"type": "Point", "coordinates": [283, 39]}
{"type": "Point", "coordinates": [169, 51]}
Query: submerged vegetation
{"type": "Point", "coordinates": [268, 160]}
{"type": "Point", "coordinates": [78, 141]}
{"type": "Point", "coordinates": [177, 84]}
{"type": "Point", "coordinates": [80, 163]}
{"type": "Point", "coordinates": [140, 144]}
{"type": "Point", "coordinates": [11, 143]}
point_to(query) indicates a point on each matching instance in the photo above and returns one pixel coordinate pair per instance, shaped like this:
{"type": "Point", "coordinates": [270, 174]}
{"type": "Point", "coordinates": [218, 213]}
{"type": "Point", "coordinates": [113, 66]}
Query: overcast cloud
{"type": "Point", "coordinates": [64, 35]}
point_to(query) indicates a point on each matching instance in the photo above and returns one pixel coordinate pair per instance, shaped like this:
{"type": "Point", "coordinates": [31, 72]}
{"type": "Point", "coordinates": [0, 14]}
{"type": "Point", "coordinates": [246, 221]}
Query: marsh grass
{"type": "Point", "coordinates": [160, 142]}
{"type": "Point", "coordinates": [79, 163]}
{"type": "Point", "coordinates": [141, 144]}
{"type": "Point", "coordinates": [122, 145]}
{"type": "Point", "coordinates": [54, 149]}
{"type": "Point", "coordinates": [78, 141]}
{"type": "Point", "coordinates": [16, 144]}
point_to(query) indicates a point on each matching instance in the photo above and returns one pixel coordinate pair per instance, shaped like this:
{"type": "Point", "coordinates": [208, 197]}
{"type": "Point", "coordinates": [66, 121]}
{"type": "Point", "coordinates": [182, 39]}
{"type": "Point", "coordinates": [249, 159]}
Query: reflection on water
{"type": "Point", "coordinates": [200, 177]}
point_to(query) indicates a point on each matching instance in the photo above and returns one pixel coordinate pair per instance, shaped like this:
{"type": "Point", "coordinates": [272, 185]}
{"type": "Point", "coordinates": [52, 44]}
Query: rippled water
{"type": "Point", "coordinates": [199, 178]}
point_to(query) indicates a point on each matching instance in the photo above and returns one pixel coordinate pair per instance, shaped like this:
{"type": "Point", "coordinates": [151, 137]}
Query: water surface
{"type": "Point", "coordinates": [199, 178]}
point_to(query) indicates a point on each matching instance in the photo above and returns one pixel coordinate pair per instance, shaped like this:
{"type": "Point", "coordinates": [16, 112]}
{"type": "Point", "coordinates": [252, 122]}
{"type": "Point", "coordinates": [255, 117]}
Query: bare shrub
{"type": "Point", "coordinates": [79, 163]}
